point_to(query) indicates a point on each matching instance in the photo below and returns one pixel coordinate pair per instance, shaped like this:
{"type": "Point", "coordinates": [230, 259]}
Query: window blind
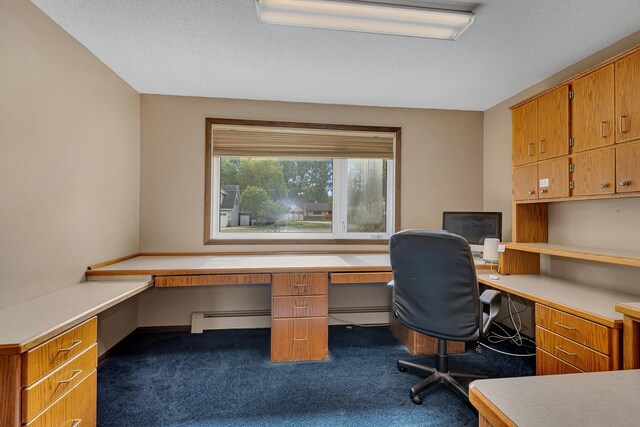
{"type": "Point", "coordinates": [267, 141]}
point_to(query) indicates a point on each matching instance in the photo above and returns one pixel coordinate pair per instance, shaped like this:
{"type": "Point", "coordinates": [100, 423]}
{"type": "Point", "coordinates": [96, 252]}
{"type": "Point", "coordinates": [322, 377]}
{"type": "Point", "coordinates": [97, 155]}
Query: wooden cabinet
{"type": "Point", "coordinates": [553, 179]}
{"type": "Point", "coordinates": [299, 317]}
{"type": "Point", "coordinates": [553, 123]}
{"type": "Point", "coordinates": [525, 182]}
{"type": "Point", "coordinates": [570, 344]}
{"type": "Point", "coordinates": [628, 98]}
{"type": "Point", "coordinates": [594, 173]}
{"type": "Point", "coordinates": [628, 168]}
{"type": "Point", "coordinates": [53, 384]}
{"type": "Point", "coordinates": [525, 133]}
{"type": "Point", "coordinates": [594, 121]}
{"type": "Point", "coordinates": [541, 127]}
{"type": "Point", "coordinates": [593, 110]}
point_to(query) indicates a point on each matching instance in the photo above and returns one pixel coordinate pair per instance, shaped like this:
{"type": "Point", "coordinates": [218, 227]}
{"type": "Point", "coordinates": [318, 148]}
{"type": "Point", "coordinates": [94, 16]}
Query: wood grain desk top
{"type": "Point", "coordinates": [263, 263]}
{"type": "Point", "coordinates": [629, 308]}
{"type": "Point", "coordinates": [592, 303]}
{"type": "Point", "coordinates": [25, 325]}
{"type": "Point", "coordinates": [591, 399]}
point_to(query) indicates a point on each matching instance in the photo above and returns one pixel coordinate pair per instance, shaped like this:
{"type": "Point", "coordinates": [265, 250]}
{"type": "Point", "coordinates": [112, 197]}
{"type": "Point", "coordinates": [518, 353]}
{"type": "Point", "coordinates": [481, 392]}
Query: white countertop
{"type": "Point", "coordinates": [585, 400]}
{"type": "Point", "coordinates": [25, 325]}
{"type": "Point", "coordinates": [202, 264]}
{"type": "Point", "coordinates": [594, 303]}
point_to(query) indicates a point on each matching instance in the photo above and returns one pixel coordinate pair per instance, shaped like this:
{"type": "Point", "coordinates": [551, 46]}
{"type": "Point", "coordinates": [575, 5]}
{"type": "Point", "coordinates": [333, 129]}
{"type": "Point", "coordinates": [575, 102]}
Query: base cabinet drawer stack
{"type": "Point", "coordinates": [53, 384]}
{"type": "Point", "coordinates": [299, 317]}
{"type": "Point", "coordinates": [571, 344]}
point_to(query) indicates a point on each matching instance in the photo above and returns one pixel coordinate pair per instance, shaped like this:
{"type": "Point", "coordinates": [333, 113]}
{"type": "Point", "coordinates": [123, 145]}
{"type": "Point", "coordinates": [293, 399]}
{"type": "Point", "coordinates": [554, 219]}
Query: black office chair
{"type": "Point", "coordinates": [436, 293]}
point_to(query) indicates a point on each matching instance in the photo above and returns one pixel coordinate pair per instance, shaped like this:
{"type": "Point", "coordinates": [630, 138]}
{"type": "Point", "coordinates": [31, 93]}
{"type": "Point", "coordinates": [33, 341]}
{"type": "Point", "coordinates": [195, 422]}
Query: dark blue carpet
{"type": "Point", "coordinates": [224, 378]}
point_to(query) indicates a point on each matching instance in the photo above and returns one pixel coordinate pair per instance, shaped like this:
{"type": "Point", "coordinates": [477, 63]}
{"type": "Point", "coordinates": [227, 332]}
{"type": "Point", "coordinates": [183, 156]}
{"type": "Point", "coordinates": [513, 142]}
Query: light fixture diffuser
{"type": "Point", "coordinates": [366, 17]}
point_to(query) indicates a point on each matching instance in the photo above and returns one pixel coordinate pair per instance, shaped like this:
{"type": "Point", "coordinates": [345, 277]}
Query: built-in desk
{"type": "Point", "coordinates": [577, 326]}
{"type": "Point", "coordinates": [48, 354]}
{"type": "Point", "coordinates": [299, 281]}
{"type": "Point", "coordinates": [594, 399]}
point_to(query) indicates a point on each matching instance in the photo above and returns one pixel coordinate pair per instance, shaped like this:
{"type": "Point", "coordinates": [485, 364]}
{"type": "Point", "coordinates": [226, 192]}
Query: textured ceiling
{"type": "Point", "coordinates": [216, 48]}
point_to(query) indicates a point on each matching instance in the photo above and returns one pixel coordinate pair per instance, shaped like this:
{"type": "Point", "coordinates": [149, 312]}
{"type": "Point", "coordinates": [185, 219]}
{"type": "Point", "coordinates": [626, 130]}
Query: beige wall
{"type": "Point", "coordinates": [601, 224]}
{"type": "Point", "coordinates": [441, 170]}
{"type": "Point", "coordinates": [69, 159]}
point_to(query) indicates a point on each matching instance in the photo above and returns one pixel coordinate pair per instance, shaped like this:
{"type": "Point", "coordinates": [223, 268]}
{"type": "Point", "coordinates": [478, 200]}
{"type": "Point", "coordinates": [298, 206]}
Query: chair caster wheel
{"type": "Point", "coordinates": [402, 368]}
{"type": "Point", "coordinates": [417, 399]}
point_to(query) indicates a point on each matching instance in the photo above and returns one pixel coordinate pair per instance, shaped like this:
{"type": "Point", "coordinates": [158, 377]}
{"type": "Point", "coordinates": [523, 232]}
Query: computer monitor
{"type": "Point", "coordinates": [473, 226]}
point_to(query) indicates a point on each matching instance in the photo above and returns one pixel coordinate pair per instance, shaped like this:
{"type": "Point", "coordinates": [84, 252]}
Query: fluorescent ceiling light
{"type": "Point", "coordinates": [365, 17]}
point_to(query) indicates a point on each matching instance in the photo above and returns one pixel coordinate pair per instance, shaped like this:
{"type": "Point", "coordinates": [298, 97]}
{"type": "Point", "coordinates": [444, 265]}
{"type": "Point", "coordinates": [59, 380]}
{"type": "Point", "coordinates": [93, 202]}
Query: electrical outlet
{"type": "Point", "coordinates": [502, 247]}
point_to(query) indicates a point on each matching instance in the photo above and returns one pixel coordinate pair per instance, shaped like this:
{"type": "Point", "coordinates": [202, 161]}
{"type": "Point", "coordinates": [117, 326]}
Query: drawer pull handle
{"type": "Point", "coordinates": [560, 349]}
{"type": "Point", "coordinates": [623, 123]}
{"type": "Point", "coordinates": [624, 183]}
{"type": "Point", "coordinates": [299, 285]}
{"type": "Point", "coordinates": [604, 185]}
{"type": "Point", "coordinates": [301, 307]}
{"type": "Point", "coordinates": [531, 192]}
{"type": "Point", "coordinates": [565, 326]}
{"type": "Point", "coordinates": [76, 422]}
{"type": "Point", "coordinates": [71, 347]}
{"type": "Point", "coordinates": [72, 377]}
{"type": "Point", "coordinates": [300, 339]}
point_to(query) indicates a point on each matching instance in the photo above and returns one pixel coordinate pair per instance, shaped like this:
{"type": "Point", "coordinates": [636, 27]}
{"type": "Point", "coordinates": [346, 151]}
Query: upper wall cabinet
{"type": "Point", "coordinates": [581, 139]}
{"type": "Point", "coordinates": [525, 133]}
{"type": "Point", "coordinates": [628, 98]}
{"type": "Point", "coordinates": [553, 123]}
{"type": "Point", "coordinates": [593, 110]}
{"type": "Point", "coordinates": [541, 128]}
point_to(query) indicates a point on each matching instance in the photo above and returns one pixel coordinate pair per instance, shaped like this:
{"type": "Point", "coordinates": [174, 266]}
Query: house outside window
{"type": "Point", "coordinates": [272, 183]}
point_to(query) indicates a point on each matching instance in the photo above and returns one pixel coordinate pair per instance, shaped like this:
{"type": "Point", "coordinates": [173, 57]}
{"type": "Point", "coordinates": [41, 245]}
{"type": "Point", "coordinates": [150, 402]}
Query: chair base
{"type": "Point", "coordinates": [434, 377]}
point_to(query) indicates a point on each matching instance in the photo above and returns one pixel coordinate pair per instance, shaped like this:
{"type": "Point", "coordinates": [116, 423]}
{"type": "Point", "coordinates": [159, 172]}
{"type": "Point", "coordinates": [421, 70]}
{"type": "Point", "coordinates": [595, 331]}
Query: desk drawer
{"type": "Point", "coordinates": [44, 392]}
{"type": "Point", "coordinates": [302, 306]}
{"type": "Point", "coordinates": [580, 330]}
{"type": "Point", "coordinates": [76, 408]}
{"type": "Point", "coordinates": [299, 284]}
{"type": "Point", "coordinates": [571, 352]}
{"type": "Point", "coordinates": [547, 364]}
{"type": "Point", "coordinates": [355, 278]}
{"type": "Point", "coordinates": [212, 280]}
{"type": "Point", "coordinates": [38, 362]}
{"type": "Point", "coordinates": [294, 340]}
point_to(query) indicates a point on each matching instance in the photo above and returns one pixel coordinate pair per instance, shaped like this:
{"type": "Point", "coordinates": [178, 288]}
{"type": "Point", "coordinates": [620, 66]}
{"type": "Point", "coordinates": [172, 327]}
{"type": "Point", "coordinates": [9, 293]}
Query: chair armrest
{"type": "Point", "coordinates": [491, 298]}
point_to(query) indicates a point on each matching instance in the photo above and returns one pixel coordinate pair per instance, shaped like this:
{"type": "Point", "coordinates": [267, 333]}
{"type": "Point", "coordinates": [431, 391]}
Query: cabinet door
{"type": "Point", "coordinates": [525, 182]}
{"type": "Point", "coordinates": [553, 178]}
{"type": "Point", "coordinates": [593, 110]}
{"type": "Point", "coordinates": [594, 173]}
{"type": "Point", "coordinates": [628, 98]}
{"type": "Point", "coordinates": [525, 133]}
{"type": "Point", "coordinates": [553, 124]}
{"type": "Point", "coordinates": [628, 168]}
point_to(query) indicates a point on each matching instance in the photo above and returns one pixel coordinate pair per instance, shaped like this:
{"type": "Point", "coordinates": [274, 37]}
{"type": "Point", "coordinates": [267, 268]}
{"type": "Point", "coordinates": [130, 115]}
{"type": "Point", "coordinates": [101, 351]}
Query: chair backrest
{"type": "Point", "coordinates": [436, 288]}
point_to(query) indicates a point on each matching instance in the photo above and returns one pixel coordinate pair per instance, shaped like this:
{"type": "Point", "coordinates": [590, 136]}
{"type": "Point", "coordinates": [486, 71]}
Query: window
{"type": "Point", "coordinates": [270, 182]}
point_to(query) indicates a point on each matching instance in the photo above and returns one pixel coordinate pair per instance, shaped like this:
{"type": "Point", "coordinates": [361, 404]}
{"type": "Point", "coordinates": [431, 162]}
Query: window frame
{"type": "Point", "coordinates": [336, 236]}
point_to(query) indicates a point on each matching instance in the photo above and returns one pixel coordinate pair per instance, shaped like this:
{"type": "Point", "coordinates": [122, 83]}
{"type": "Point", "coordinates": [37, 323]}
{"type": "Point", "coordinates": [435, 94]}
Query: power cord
{"type": "Point", "coordinates": [516, 338]}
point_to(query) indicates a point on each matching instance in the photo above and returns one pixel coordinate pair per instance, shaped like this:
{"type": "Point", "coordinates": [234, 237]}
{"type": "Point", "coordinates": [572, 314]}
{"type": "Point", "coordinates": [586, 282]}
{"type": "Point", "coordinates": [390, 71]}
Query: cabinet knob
{"type": "Point", "coordinates": [531, 192]}
{"type": "Point", "coordinates": [624, 183]}
{"type": "Point", "coordinates": [603, 185]}
{"type": "Point", "coordinates": [543, 191]}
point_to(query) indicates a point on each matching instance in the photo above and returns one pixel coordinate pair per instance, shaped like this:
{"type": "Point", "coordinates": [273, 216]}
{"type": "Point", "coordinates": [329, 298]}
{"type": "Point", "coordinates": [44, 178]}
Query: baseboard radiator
{"type": "Point", "coordinates": [203, 320]}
